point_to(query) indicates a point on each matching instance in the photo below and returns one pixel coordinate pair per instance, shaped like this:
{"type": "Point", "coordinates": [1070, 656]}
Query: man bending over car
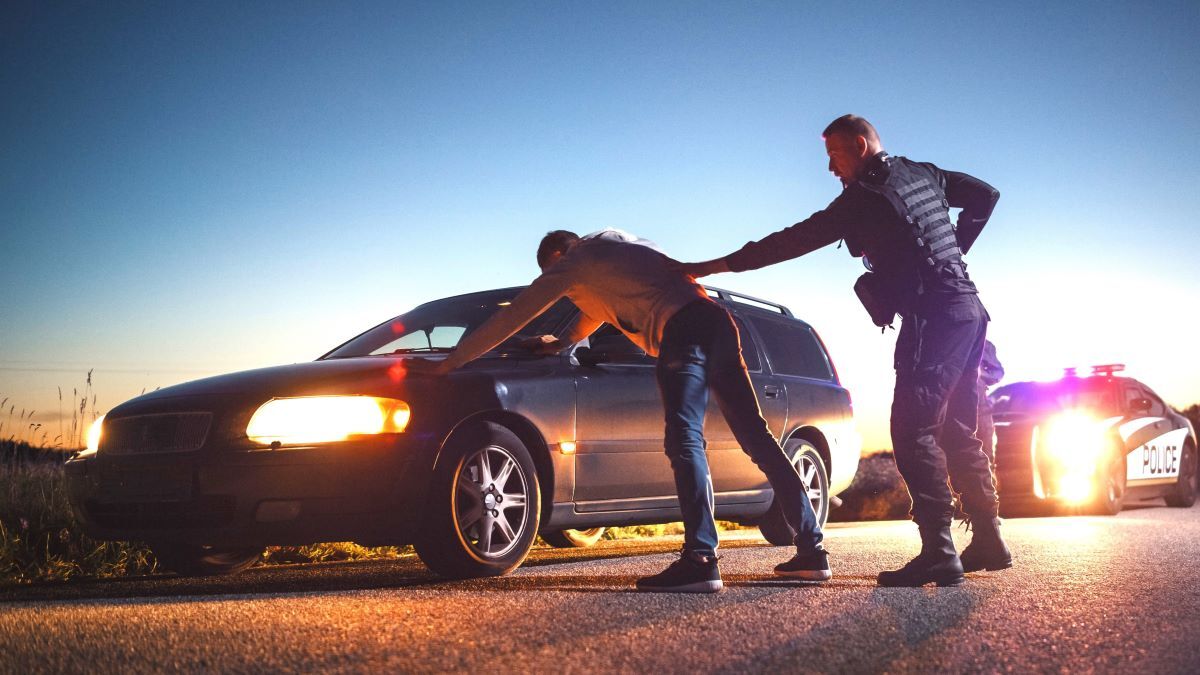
{"type": "Point", "coordinates": [616, 278]}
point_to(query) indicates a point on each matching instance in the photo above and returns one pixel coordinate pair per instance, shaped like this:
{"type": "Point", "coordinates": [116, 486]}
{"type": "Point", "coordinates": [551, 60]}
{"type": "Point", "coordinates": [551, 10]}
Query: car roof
{"type": "Point", "coordinates": [1113, 379]}
{"type": "Point", "coordinates": [739, 301]}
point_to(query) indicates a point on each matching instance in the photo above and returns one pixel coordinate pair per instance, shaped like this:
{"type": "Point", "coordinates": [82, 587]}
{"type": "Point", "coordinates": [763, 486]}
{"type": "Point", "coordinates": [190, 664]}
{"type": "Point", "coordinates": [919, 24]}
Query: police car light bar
{"type": "Point", "coordinates": [1108, 369]}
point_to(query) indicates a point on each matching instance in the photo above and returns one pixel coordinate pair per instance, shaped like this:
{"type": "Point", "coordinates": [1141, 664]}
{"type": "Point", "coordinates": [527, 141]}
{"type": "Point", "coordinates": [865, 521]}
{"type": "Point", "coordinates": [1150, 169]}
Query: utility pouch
{"type": "Point", "coordinates": [872, 292]}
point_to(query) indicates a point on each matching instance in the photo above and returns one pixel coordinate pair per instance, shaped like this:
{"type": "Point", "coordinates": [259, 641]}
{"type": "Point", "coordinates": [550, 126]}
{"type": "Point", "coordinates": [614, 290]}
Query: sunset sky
{"type": "Point", "coordinates": [188, 189]}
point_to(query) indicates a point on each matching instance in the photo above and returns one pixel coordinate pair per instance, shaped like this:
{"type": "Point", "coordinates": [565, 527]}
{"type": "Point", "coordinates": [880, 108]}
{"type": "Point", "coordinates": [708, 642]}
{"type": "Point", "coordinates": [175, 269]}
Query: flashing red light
{"type": "Point", "coordinates": [1108, 369]}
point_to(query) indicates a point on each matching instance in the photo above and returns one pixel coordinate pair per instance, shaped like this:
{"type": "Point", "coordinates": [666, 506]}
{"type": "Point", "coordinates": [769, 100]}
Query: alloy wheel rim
{"type": "Point", "coordinates": [491, 496]}
{"type": "Point", "coordinates": [810, 478]}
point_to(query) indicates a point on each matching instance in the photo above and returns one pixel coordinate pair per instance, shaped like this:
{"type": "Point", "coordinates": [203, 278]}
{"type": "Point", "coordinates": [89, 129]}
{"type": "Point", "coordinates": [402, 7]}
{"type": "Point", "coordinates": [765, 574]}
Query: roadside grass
{"type": "Point", "coordinates": [39, 537]}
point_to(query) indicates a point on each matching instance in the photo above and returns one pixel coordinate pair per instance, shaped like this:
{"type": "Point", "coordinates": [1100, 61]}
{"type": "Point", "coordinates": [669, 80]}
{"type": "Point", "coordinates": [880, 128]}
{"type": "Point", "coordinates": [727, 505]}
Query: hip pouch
{"type": "Point", "coordinates": [874, 295]}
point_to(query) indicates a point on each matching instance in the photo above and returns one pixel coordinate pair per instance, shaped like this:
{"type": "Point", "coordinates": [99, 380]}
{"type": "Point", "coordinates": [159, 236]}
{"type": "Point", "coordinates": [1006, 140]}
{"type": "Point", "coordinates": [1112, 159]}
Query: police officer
{"type": "Point", "coordinates": [991, 371]}
{"type": "Point", "coordinates": [895, 213]}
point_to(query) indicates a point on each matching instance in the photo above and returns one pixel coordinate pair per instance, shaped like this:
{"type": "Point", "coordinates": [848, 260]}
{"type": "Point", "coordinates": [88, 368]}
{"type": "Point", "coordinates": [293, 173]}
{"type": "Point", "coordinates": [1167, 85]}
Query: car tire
{"type": "Point", "coordinates": [192, 560]}
{"type": "Point", "coordinates": [478, 523]}
{"type": "Point", "coordinates": [573, 538]}
{"type": "Point", "coordinates": [1184, 494]}
{"type": "Point", "coordinates": [1111, 496]}
{"type": "Point", "coordinates": [815, 477]}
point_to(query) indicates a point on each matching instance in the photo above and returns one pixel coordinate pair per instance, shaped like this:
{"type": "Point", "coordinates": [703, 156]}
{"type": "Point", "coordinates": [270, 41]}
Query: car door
{"type": "Point", "coordinates": [1153, 441]}
{"type": "Point", "coordinates": [801, 366]}
{"type": "Point", "coordinates": [619, 458]}
{"type": "Point", "coordinates": [736, 478]}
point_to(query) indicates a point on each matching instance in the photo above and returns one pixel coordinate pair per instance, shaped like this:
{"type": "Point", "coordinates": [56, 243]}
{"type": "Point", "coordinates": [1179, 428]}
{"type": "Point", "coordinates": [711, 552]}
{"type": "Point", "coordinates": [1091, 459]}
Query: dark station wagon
{"type": "Point", "coordinates": [470, 467]}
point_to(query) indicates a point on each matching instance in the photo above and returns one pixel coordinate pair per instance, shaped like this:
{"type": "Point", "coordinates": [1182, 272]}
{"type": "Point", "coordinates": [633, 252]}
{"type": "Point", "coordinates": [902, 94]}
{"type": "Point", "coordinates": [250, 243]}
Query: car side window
{"type": "Point", "coordinates": [617, 347]}
{"type": "Point", "coordinates": [749, 350]}
{"type": "Point", "coordinates": [1131, 394]}
{"type": "Point", "coordinates": [792, 349]}
{"type": "Point", "coordinates": [1157, 407]}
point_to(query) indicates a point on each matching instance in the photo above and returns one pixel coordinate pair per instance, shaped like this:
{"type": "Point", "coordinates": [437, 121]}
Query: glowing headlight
{"type": "Point", "coordinates": [325, 419]}
{"type": "Point", "coordinates": [1074, 439]}
{"type": "Point", "coordinates": [93, 437]}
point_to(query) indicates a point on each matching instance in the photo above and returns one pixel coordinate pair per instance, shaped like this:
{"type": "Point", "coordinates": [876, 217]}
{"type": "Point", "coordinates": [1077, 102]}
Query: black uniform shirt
{"type": "Point", "coordinates": [871, 227]}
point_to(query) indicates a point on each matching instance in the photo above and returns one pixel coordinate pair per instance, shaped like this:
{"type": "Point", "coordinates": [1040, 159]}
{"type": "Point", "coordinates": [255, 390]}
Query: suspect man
{"type": "Point", "coordinates": [615, 278]}
{"type": "Point", "coordinates": [895, 213]}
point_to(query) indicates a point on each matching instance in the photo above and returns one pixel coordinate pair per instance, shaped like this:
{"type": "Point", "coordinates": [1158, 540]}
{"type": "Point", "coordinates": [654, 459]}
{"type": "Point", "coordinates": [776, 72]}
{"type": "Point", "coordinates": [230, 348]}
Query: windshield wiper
{"type": "Point", "coordinates": [421, 350]}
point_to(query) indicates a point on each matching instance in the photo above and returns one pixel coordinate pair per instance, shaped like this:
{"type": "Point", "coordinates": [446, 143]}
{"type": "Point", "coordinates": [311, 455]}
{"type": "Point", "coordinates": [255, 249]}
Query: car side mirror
{"type": "Point", "coordinates": [1140, 405]}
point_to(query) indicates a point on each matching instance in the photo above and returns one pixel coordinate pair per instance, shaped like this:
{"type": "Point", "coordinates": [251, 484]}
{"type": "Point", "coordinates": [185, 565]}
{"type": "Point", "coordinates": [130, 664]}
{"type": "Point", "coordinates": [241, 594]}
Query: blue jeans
{"type": "Point", "coordinates": [701, 352]}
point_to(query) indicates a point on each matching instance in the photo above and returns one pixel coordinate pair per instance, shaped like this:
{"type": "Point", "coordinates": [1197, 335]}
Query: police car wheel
{"type": "Point", "coordinates": [1111, 491]}
{"type": "Point", "coordinates": [1184, 494]}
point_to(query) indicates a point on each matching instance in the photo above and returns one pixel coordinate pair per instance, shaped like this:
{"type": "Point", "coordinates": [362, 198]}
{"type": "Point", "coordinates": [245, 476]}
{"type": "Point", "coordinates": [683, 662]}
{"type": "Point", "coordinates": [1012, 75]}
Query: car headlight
{"type": "Point", "coordinates": [326, 419]}
{"type": "Point", "coordinates": [93, 437]}
{"type": "Point", "coordinates": [1074, 438]}
{"type": "Point", "coordinates": [1076, 442]}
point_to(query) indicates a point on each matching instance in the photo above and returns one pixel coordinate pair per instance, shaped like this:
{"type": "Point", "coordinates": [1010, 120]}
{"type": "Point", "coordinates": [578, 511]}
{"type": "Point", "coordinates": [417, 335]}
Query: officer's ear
{"type": "Point", "coordinates": [862, 145]}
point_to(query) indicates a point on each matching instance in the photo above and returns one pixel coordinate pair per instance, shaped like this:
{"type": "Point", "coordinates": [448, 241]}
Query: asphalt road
{"type": "Point", "coordinates": [1086, 594]}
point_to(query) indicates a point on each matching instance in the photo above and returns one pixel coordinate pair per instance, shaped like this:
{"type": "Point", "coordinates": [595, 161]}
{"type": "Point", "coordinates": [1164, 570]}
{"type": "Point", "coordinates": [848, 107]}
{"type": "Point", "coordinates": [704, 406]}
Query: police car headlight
{"type": "Point", "coordinates": [326, 419]}
{"type": "Point", "coordinates": [1075, 439]}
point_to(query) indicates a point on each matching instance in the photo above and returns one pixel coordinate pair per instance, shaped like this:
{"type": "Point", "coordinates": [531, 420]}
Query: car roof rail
{"type": "Point", "coordinates": [741, 298]}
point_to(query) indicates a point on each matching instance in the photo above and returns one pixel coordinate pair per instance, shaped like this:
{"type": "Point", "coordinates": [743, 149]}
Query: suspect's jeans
{"type": "Point", "coordinates": [937, 398]}
{"type": "Point", "coordinates": [700, 352]}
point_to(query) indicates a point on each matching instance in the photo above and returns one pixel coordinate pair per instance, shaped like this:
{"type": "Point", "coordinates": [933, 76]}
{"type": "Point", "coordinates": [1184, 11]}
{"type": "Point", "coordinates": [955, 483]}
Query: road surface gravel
{"type": "Point", "coordinates": [1119, 594]}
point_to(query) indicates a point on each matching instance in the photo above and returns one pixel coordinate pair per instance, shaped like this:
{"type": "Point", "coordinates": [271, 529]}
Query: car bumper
{"type": "Point", "coordinates": [365, 491]}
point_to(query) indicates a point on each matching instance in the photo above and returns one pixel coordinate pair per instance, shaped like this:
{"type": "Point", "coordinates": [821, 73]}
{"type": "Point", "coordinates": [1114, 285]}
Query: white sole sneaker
{"type": "Point", "coordinates": [807, 575]}
{"type": "Point", "coordinates": [711, 586]}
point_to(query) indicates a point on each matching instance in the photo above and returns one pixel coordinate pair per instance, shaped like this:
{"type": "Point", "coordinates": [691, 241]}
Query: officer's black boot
{"type": "Point", "coordinates": [937, 563]}
{"type": "Point", "coordinates": [986, 550]}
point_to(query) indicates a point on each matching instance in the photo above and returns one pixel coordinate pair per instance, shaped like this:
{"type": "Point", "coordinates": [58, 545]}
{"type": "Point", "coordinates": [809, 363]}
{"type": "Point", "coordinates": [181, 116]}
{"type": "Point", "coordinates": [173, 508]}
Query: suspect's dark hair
{"type": "Point", "coordinates": [852, 126]}
{"type": "Point", "coordinates": [557, 241]}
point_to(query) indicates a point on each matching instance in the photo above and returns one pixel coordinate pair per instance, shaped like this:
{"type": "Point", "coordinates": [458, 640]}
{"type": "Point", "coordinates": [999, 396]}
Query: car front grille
{"type": "Point", "coordinates": [153, 434]}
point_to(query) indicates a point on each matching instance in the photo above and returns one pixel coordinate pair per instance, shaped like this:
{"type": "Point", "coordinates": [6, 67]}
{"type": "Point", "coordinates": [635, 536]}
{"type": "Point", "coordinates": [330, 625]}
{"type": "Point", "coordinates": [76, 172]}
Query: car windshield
{"type": "Point", "coordinates": [1093, 395]}
{"type": "Point", "coordinates": [436, 327]}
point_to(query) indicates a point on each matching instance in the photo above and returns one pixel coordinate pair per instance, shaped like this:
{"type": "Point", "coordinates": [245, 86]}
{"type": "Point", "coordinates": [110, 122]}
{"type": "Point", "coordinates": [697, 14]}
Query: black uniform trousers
{"type": "Point", "coordinates": [935, 413]}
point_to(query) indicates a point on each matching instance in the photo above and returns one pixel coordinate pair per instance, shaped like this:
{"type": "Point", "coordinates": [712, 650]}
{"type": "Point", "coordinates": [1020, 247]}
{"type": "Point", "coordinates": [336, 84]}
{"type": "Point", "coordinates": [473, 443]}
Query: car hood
{"type": "Point", "coordinates": [297, 379]}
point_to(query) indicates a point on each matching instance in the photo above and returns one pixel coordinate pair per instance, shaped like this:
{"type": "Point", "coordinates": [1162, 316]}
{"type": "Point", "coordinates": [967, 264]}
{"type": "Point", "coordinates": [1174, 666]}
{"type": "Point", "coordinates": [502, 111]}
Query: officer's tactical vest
{"type": "Point", "coordinates": [921, 204]}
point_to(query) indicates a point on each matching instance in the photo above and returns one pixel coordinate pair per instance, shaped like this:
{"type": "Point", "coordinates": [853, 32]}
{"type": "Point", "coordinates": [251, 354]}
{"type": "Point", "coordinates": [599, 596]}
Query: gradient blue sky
{"type": "Point", "coordinates": [194, 188]}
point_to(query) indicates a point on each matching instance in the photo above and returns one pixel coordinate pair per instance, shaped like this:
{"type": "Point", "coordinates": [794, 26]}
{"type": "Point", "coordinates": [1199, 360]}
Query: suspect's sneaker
{"type": "Point", "coordinates": [686, 575]}
{"type": "Point", "coordinates": [813, 566]}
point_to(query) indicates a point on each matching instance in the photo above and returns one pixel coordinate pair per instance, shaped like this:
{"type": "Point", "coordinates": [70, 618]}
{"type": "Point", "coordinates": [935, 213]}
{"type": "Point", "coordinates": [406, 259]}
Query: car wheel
{"type": "Point", "coordinates": [194, 560]}
{"type": "Point", "coordinates": [573, 538]}
{"type": "Point", "coordinates": [815, 478]}
{"type": "Point", "coordinates": [484, 507]}
{"type": "Point", "coordinates": [1186, 488]}
{"type": "Point", "coordinates": [1111, 494]}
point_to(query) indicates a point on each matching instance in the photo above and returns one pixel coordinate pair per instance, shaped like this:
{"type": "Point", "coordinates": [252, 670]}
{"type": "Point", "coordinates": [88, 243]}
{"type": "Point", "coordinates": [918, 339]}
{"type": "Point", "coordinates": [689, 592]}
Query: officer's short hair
{"type": "Point", "coordinates": [852, 126]}
{"type": "Point", "coordinates": [557, 241]}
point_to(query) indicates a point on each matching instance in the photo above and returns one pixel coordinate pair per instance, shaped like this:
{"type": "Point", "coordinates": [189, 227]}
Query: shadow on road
{"type": "Point", "coordinates": [358, 575]}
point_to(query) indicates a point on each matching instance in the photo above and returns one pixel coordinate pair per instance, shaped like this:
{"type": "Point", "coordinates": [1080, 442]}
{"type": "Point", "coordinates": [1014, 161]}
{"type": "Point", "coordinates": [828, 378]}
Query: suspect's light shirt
{"type": "Point", "coordinates": [612, 277]}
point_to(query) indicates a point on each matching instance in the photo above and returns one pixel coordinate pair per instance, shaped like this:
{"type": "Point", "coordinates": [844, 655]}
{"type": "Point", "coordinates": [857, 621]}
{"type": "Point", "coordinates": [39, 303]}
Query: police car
{"type": "Point", "coordinates": [1090, 443]}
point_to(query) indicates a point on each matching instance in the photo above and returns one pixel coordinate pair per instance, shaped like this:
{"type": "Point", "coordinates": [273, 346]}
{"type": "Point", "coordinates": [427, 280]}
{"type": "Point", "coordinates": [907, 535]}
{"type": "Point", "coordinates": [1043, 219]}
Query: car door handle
{"type": "Point", "coordinates": [771, 391]}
